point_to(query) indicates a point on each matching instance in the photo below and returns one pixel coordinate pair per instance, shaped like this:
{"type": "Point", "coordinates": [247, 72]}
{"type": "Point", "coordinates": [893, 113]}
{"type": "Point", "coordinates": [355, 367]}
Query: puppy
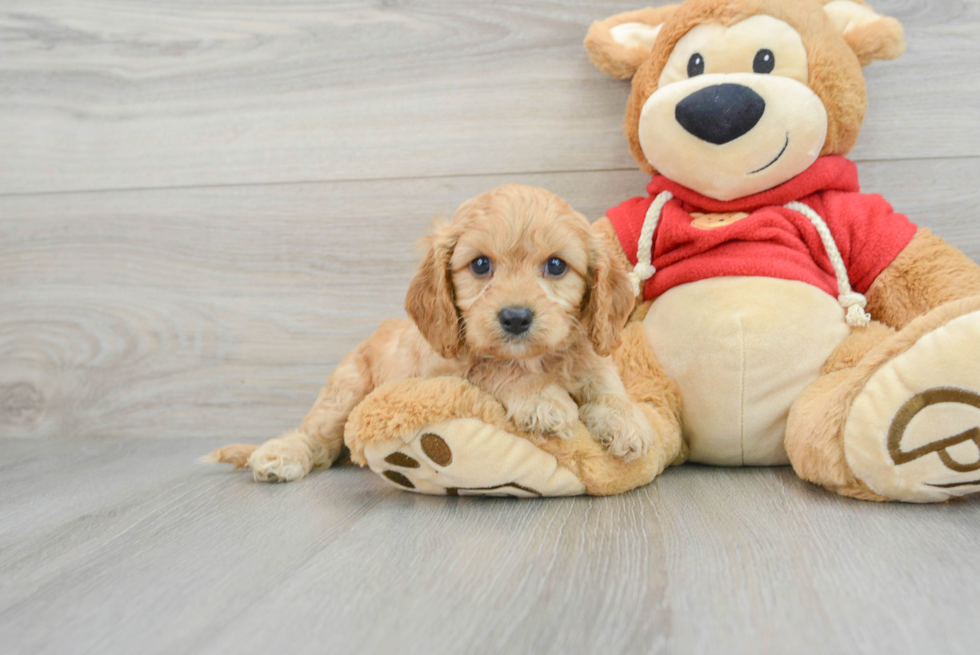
{"type": "Point", "coordinates": [517, 294]}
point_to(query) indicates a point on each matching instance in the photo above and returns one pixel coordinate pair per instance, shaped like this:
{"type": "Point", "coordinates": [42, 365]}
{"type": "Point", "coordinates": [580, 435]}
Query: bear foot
{"type": "Point", "coordinates": [467, 457]}
{"type": "Point", "coordinates": [913, 431]}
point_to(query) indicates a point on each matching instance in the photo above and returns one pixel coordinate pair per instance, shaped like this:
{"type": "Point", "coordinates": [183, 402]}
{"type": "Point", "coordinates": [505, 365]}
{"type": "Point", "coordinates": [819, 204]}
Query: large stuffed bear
{"type": "Point", "coordinates": [803, 321]}
{"type": "Point", "coordinates": [785, 316]}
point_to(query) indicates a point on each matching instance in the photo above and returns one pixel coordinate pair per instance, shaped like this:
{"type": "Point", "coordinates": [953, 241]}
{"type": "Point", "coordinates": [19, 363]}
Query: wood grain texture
{"type": "Point", "coordinates": [110, 94]}
{"type": "Point", "coordinates": [124, 546]}
{"type": "Point", "coordinates": [204, 312]}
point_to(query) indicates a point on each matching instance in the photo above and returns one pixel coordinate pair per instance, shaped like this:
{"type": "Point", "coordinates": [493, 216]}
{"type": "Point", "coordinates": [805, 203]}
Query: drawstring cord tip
{"type": "Point", "coordinates": [855, 303]}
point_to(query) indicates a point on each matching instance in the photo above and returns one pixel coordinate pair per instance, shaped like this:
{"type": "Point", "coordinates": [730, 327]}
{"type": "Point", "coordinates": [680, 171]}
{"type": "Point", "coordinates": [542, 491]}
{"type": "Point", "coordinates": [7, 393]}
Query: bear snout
{"type": "Point", "coordinates": [721, 113]}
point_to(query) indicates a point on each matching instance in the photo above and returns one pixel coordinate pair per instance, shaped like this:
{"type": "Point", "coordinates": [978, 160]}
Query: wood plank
{"type": "Point", "coordinates": [180, 558]}
{"type": "Point", "coordinates": [103, 94]}
{"type": "Point", "coordinates": [203, 312]}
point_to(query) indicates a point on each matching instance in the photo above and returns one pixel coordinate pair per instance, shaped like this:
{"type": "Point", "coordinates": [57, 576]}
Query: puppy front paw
{"type": "Point", "coordinates": [620, 426]}
{"type": "Point", "coordinates": [280, 460]}
{"type": "Point", "coordinates": [550, 413]}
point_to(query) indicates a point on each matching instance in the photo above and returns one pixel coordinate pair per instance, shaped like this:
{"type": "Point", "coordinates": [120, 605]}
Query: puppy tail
{"type": "Point", "coordinates": [236, 454]}
{"type": "Point", "coordinates": [321, 435]}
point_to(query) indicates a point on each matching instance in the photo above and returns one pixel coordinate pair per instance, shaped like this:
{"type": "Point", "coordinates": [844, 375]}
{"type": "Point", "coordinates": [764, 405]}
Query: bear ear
{"type": "Point", "coordinates": [620, 44]}
{"type": "Point", "coordinates": [871, 35]}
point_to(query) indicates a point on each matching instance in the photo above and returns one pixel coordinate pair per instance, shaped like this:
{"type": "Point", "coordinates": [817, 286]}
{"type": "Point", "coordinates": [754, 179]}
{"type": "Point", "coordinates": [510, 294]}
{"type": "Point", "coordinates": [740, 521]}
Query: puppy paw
{"type": "Point", "coordinates": [280, 460]}
{"type": "Point", "coordinates": [620, 427]}
{"type": "Point", "coordinates": [550, 413]}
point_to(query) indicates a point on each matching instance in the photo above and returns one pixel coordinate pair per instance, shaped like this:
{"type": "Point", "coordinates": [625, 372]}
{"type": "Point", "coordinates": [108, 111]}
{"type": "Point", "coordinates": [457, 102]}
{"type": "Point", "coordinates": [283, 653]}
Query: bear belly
{"type": "Point", "coordinates": [742, 349]}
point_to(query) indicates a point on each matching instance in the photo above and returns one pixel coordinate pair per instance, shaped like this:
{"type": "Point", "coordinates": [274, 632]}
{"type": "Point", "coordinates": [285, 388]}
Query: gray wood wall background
{"type": "Point", "coordinates": [204, 205]}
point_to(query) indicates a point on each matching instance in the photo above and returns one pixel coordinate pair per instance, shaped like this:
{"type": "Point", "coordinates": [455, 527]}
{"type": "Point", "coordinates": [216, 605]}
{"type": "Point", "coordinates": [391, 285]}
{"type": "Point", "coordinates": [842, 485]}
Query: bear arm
{"type": "Point", "coordinates": [926, 274]}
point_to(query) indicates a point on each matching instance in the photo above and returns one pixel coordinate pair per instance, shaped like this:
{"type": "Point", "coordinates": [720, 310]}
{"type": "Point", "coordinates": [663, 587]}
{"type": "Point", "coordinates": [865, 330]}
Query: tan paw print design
{"type": "Point", "coordinates": [914, 430]}
{"type": "Point", "coordinates": [496, 463]}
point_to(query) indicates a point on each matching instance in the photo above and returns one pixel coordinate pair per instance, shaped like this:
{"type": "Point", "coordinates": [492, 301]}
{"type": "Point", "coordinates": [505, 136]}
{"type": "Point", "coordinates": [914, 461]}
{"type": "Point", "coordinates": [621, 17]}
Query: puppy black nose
{"type": "Point", "coordinates": [721, 113]}
{"type": "Point", "coordinates": [516, 320]}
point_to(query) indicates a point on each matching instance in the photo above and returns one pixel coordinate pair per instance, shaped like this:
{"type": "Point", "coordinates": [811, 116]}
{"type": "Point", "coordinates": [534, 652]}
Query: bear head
{"type": "Point", "coordinates": [734, 97]}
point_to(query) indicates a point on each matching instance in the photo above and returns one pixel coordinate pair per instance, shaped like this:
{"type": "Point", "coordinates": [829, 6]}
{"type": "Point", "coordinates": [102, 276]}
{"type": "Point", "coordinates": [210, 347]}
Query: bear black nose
{"type": "Point", "coordinates": [516, 320]}
{"type": "Point", "coordinates": [721, 113]}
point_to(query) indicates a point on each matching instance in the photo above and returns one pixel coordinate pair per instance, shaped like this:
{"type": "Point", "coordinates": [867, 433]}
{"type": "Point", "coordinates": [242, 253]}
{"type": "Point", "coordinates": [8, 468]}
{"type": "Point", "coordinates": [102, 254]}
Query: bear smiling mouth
{"type": "Point", "coordinates": [781, 153]}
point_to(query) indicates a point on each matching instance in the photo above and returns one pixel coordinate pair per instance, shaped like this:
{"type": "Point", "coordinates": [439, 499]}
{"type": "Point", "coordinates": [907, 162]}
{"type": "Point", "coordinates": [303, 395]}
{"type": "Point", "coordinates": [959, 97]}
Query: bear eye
{"type": "Point", "coordinates": [481, 266]}
{"type": "Point", "coordinates": [764, 62]}
{"type": "Point", "coordinates": [555, 267]}
{"type": "Point", "coordinates": [695, 65]}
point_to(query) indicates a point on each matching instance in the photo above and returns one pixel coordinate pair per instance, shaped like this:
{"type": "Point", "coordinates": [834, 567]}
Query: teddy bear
{"type": "Point", "coordinates": [784, 316]}
{"type": "Point", "coordinates": [804, 322]}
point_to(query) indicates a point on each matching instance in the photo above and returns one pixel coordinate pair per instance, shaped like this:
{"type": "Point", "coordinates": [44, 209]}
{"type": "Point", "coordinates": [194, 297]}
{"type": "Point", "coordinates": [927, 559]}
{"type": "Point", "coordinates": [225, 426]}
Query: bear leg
{"type": "Point", "coordinates": [445, 436]}
{"type": "Point", "coordinates": [896, 415]}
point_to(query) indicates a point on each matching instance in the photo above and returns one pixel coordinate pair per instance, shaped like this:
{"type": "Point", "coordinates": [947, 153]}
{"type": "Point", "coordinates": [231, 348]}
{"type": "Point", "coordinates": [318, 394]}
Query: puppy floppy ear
{"type": "Point", "coordinates": [609, 300]}
{"type": "Point", "coordinates": [430, 298]}
{"type": "Point", "coordinates": [871, 36]}
{"type": "Point", "coordinates": [620, 44]}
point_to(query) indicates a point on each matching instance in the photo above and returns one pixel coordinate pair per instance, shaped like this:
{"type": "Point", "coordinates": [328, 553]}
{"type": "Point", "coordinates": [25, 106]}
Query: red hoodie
{"type": "Point", "coordinates": [772, 241]}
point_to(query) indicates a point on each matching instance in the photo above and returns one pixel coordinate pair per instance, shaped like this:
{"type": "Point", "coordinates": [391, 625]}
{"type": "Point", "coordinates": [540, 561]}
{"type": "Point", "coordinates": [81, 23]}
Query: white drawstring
{"type": "Point", "coordinates": [853, 302]}
{"type": "Point", "coordinates": [644, 268]}
{"type": "Point", "coordinates": [850, 300]}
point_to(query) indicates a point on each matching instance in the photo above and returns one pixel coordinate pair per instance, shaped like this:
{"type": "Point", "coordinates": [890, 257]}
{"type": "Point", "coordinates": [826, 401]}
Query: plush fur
{"type": "Point", "coordinates": [927, 274]}
{"type": "Point", "coordinates": [814, 436]}
{"type": "Point", "coordinates": [613, 58]}
{"type": "Point", "coordinates": [405, 407]}
{"type": "Point", "coordinates": [835, 59]}
{"type": "Point", "coordinates": [929, 284]}
{"type": "Point", "coordinates": [547, 378]}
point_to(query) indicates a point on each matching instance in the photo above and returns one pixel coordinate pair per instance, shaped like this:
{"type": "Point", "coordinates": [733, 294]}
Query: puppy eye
{"type": "Point", "coordinates": [481, 266]}
{"type": "Point", "coordinates": [695, 65]}
{"type": "Point", "coordinates": [555, 267]}
{"type": "Point", "coordinates": [764, 62]}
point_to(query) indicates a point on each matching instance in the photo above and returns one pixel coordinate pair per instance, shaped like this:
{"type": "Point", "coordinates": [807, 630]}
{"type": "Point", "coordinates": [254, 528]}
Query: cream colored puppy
{"type": "Point", "coordinates": [517, 294]}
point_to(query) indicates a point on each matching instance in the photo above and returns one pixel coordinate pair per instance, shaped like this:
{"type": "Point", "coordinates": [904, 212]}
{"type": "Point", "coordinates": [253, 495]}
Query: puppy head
{"type": "Point", "coordinates": [518, 273]}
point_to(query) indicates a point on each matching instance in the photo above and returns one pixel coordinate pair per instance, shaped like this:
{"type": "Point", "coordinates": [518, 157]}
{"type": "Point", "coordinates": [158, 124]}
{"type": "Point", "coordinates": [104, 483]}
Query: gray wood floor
{"type": "Point", "coordinates": [204, 205]}
{"type": "Point", "coordinates": [126, 546]}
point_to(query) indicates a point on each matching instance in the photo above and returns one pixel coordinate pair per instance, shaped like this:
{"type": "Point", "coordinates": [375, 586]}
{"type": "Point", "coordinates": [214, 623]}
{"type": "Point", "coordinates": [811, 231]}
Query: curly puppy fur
{"type": "Point", "coordinates": [548, 378]}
